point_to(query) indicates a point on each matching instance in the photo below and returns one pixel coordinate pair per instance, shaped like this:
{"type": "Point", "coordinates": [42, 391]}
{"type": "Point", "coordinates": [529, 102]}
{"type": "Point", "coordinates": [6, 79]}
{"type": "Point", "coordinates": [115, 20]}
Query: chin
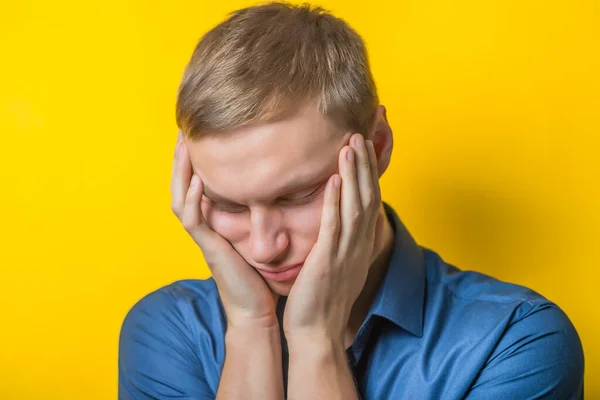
{"type": "Point", "coordinates": [281, 288]}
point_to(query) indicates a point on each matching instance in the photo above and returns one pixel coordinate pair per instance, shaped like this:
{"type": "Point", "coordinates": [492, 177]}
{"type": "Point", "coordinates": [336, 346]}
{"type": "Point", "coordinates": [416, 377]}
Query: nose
{"type": "Point", "coordinates": [268, 241]}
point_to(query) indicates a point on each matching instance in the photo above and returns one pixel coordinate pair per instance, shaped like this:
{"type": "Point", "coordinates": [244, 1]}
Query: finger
{"type": "Point", "coordinates": [374, 171]}
{"type": "Point", "coordinates": [329, 229]}
{"type": "Point", "coordinates": [351, 210]}
{"type": "Point", "coordinates": [364, 178]}
{"type": "Point", "coordinates": [180, 179]}
{"type": "Point", "coordinates": [192, 218]}
{"type": "Point", "coordinates": [179, 139]}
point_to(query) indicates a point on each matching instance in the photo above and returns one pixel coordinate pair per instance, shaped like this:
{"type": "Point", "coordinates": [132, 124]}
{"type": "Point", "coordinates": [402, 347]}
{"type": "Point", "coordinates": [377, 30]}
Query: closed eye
{"type": "Point", "coordinates": [236, 209]}
{"type": "Point", "coordinates": [227, 208]}
{"type": "Point", "coordinates": [306, 197]}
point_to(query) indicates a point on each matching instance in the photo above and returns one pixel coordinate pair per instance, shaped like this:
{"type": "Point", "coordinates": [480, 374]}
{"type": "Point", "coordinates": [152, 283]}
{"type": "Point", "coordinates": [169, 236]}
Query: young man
{"type": "Point", "coordinates": [318, 290]}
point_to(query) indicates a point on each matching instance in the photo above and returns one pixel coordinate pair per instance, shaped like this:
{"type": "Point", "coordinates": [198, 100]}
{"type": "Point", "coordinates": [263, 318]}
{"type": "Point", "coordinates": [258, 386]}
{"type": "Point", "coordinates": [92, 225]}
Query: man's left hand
{"type": "Point", "coordinates": [336, 269]}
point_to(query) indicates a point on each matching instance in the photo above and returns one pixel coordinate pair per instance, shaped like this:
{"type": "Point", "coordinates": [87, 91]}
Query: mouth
{"type": "Point", "coordinates": [283, 275]}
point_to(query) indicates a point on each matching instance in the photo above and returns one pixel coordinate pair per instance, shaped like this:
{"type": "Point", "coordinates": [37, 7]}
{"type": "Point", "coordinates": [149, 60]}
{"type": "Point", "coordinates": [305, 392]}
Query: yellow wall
{"type": "Point", "coordinates": [495, 108]}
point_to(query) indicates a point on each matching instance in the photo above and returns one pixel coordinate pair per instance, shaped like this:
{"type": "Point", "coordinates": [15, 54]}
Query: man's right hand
{"type": "Point", "coordinates": [248, 301]}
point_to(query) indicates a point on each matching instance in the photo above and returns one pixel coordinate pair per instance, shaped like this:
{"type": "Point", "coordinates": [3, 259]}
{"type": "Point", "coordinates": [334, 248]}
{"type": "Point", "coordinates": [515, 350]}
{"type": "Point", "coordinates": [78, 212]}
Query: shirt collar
{"type": "Point", "coordinates": [401, 295]}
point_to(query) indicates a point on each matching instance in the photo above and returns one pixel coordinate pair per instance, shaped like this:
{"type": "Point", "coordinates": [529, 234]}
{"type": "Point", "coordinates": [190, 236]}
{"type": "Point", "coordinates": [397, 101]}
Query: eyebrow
{"type": "Point", "coordinates": [287, 189]}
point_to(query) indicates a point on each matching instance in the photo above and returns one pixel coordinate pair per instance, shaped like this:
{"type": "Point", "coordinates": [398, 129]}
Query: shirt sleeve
{"type": "Point", "coordinates": [157, 359]}
{"type": "Point", "coordinates": [539, 357]}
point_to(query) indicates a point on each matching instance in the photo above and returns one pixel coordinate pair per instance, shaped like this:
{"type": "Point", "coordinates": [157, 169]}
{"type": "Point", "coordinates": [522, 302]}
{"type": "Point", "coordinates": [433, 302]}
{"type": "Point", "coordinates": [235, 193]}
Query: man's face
{"type": "Point", "coordinates": [264, 187]}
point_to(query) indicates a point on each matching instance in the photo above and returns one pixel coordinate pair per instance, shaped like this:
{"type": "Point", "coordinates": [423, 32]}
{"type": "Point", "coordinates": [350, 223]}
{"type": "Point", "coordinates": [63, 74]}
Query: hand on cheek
{"type": "Point", "coordinates": [247, 300]}
{"type": "Point", "coordinates": [336, 269]}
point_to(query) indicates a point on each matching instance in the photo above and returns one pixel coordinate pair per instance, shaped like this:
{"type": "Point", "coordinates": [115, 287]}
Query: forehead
{"type": "Point", "coordinates": [254, 162]}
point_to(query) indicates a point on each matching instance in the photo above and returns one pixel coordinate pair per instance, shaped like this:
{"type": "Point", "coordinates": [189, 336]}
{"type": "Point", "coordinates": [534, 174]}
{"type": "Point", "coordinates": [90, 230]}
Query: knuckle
{"type": "Point", "coordinates": [188, 223]}
{"type": "Point", "coordinates": [356, 216]}
{"type": "Point", "coordinates": [370, 200]}
{"type": "Point", "coordinates": [322, 274]}
{"type": "Point", "coordinates": [333, 228]}
{"type": "Point", "coordinates": [188, 226]}
{"type": "Point", "coordinates": [189, 199]}
{"type": "Point", "coordinates": [331, 224]}
{"type": "Point", "coordinates": [176, 211]}
{"type": "Point", "coordinates": [377, 198]}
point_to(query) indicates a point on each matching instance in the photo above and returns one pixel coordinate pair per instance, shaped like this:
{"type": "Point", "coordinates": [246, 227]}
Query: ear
{"type": "Point", "coordinates": [383, 141]}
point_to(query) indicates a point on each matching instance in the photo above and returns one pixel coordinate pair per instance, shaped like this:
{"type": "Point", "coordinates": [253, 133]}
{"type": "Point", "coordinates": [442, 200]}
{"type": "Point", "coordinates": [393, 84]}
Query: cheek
{"type": "Point", "coordinates": [307, 219]}
{"type": "Point", "coordinates": [226, 225]}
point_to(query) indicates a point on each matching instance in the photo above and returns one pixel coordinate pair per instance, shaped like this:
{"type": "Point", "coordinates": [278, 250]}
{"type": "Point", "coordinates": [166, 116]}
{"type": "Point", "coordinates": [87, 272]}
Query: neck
{"type": "Point", "coordinates": [384, 245]}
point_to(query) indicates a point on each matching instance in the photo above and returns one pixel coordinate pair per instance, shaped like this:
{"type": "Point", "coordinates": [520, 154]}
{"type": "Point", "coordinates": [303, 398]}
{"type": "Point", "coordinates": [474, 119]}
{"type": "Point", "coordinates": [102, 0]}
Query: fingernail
{"type": "Point", "coordinates": [350, 155]}
{"type": "Point", "coordinates": [195, 180]}
{"type": "Point", "coordinates": [336, 182]}
{"type": "Point", "coordinates": [360, 142]}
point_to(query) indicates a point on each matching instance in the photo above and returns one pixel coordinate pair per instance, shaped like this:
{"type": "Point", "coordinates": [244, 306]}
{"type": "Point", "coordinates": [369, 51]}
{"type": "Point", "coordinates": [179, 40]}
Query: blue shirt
{"type": "Point", "coordinates": [432, 332]}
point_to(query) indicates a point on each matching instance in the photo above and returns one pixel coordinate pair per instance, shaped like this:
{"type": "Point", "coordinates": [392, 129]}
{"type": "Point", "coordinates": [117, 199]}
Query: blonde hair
{"type": "Point", "coordinates": [263, 62]}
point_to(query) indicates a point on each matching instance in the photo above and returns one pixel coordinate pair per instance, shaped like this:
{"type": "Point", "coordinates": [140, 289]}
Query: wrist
{"type": "Point", "coordinates": [246, 334]}
{"type": "Point", "coordinates": [243, 323]}
{"type": "Point", "coordinates": [315, 346]}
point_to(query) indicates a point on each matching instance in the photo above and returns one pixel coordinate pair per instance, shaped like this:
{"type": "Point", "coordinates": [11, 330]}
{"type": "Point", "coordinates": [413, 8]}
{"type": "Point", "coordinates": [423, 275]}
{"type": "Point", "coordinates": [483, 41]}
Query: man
{"type": "Point", "coordinates": [318, 290]}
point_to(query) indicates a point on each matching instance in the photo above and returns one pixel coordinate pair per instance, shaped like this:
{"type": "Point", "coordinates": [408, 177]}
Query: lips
{"type": "Point", "coordinates": [283, 274]}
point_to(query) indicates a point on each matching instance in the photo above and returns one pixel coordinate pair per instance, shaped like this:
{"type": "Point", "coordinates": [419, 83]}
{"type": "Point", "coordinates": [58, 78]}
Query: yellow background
{"type": "Point", "coordinates": [494, 106]}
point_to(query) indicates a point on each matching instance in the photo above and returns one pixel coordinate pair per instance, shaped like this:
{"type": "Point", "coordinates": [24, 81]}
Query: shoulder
{"type": "Point", "coordinates": [185, 290]}
{"type": "Point", "coordinates": [485, 296]}
{"type": "Point", "coordinates": [527, 345]}
{"type": "Point", "coordinates": [475, 286]}
{"type": "Point", "coordinates": [171, 342]}
{"type": "Point", "coordinates": [186, 302]}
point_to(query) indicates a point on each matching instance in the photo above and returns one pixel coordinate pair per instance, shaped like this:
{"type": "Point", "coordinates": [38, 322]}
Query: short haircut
{"type": "Point", "coordinates": [263, 62]}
